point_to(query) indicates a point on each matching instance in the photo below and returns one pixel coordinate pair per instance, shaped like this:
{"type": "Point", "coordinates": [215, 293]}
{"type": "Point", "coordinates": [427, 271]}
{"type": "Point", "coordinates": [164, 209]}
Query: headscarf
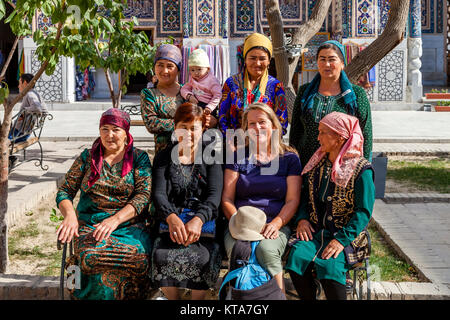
{"type": "Point", "coordinates": [120, 119]}
{"type": "Point", "coordinates": [344, 166]}
{"type": "Point", "coordinates": [347, 92]}
{"type": "Point", "coordinates": [169, 52]}
{"type": "Point", "coordinates": [257, 40]}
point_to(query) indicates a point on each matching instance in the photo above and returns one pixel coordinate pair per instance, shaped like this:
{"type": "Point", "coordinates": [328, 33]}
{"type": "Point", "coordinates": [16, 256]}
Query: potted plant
{"type": "Point", "coordinates": [438, 94]}
{"type": "Point", "coordinates": [442, 106]}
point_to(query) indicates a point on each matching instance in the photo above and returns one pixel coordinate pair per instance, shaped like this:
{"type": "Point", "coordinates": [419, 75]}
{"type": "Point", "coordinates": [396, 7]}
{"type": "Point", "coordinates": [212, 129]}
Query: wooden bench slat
{"type": "Point", "coordinates": [22, 145]}
{"type": "Point", "coordinates": [137, 123]}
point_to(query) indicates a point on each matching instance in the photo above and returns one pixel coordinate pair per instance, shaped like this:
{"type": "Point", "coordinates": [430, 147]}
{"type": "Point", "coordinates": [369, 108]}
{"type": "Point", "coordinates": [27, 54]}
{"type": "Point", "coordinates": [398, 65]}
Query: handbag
{"type": "Point", "coordinates": [208, 228]}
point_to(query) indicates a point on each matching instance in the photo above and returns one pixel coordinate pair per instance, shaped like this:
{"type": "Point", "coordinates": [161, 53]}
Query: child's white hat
{"type": "Point", "coordinates": [198, 58]}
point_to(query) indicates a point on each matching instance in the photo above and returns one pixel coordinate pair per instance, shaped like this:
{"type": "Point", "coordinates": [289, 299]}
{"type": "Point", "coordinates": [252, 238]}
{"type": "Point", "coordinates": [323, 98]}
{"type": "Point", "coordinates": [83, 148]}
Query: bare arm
{"type": "Point", "coordinates": [289, 209]}
{"type": "Point", "coordinates": [229, 190]}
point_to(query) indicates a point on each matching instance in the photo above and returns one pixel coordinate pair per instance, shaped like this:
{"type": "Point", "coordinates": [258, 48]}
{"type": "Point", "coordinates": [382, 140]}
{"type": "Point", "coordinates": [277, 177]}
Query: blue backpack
{"type": "Point", "coordinates": [249, 276]}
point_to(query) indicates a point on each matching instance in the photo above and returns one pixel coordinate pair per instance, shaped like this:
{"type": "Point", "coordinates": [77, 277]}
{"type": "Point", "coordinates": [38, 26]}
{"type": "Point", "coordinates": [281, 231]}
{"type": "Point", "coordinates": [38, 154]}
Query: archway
{"type": "Point", "coordinates": [6, 43]}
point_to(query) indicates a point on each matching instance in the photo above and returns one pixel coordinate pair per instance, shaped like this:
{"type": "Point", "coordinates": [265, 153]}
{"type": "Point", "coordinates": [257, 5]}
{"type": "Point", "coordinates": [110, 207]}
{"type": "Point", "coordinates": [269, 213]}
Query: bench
{"type": "Point", "coordinates": [133, 110]}
{"type": "Point", "coordinates": [26, 131]}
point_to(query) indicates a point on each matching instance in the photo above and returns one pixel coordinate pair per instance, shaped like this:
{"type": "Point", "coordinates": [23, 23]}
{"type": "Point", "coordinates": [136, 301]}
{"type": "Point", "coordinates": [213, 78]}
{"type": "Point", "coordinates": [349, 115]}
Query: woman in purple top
{"type": "Point", "coordinates": [266, 176]}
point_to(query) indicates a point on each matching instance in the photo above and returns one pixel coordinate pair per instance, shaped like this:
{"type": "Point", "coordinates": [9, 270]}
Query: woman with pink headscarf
{"type": "Point", "coordinates": [336, 206]}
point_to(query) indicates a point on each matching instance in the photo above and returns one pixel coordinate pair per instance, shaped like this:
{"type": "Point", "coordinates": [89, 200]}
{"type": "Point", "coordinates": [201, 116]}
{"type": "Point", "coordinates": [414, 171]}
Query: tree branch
{"type": "Point", "coordinates": [392, 35]}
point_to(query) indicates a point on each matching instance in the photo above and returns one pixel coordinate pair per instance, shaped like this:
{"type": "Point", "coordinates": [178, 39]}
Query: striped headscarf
{"type": "Point", "coordinates": [169, 52]}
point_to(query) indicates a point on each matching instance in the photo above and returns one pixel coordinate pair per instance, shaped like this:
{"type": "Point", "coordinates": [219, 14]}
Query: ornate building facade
{"type": "Point", "coordinates": [420, 59]}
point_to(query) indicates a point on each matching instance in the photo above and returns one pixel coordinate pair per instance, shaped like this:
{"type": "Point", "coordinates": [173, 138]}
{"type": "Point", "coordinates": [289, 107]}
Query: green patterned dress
{"type": "Point", "coordinates": [116, 268]}
{"type": "Point", "coordinates": [305, 125]}
{"type": "Point", "coordinates": [157, 111]}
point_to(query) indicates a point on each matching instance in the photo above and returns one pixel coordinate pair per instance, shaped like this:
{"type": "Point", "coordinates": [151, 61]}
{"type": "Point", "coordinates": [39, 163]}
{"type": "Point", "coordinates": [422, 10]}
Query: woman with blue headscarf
{"type": "Point", "coordinates": [329, 91]}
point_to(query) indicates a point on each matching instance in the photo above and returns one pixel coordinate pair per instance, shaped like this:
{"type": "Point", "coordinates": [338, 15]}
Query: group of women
{"type": "Point", "coordinates": [139, 225]}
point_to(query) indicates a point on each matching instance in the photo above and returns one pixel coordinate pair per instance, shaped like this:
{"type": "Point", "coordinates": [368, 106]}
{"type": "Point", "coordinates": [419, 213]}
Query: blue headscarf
{"type": "Point", "coordinates": [347, 93]}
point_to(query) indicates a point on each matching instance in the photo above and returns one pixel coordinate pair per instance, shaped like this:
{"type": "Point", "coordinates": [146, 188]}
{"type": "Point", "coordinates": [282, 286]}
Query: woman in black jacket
{"type": "Point", "coordinates": [186, 197]}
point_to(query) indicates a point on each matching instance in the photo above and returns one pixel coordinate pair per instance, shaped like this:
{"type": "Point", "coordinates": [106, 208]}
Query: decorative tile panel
{"type": "Point", "coordinates": [390, 77]}
{"type": "Point", "coordinates": [427, 16]}
{"type": "Point", "coordinates": [383, 10]}
{"type": "Point", "coordinates": [170, 17]}
{"type": "Point", "coordinates": [365, 18]}
{"type": "Point", "coordinates": [242, 17]}
{"type": "Point", "coordinates": [290, 10]}
{"type": "Point", "coordinates": [144, 9]}
{"type": "Point", "coordinates": [43, 23]}
{"type": "Point", "coordinates": [415, 26]}
{"type": "Point", "coordinates": [49, 87]}
{"type": "Point", "coordinates": [347, 19]}
{"type": "Point", "coordinates": [440, 16]}
{"type": "Point", "coordinates": [206, 17]}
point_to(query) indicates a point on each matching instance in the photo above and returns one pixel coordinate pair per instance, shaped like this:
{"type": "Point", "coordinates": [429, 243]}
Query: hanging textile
{"type": "Point", "coordinates": [351, 50]}
{"type": "Point", "coordinates": [218, 59]}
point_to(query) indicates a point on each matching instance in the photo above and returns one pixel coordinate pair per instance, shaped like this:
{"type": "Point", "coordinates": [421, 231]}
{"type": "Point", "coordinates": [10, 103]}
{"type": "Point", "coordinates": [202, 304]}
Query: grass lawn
{"type": "Point", "coordinates": [426, 174]}
{"type": "Point", "coordinates": [388, 266]}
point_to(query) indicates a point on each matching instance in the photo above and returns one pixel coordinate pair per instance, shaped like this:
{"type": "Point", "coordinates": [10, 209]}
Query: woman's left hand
{"type": "Point", "coordinates": [194, 230]}
{"type": "Point", "coordinates": [333, 249]}
{"type": "Point", "coordinates": [104, 229]}
{"type": "Point", "coordinates": [270, 231]}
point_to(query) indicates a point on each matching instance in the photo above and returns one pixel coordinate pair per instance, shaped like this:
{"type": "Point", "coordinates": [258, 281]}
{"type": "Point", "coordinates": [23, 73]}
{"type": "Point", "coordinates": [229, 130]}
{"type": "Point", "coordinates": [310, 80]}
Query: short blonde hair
{"type": "Point", "coordinates": [282, 148]}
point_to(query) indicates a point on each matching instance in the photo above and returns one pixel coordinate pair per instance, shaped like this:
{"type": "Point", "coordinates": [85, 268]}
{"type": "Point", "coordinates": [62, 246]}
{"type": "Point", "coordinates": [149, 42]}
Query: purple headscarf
{"type": "Point", "coordinates": [169, 52]}
{"type": "Point", "coordinates": [122, 120]}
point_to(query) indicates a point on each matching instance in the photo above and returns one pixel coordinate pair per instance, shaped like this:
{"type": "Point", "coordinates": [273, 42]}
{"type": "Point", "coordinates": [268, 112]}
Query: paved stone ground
{"type": "Point", "coordinates": [419, 231]}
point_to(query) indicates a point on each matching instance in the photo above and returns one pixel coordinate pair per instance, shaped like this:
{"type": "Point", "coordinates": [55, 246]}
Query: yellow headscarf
{"type": "Point", "coordinates": [257, 40]}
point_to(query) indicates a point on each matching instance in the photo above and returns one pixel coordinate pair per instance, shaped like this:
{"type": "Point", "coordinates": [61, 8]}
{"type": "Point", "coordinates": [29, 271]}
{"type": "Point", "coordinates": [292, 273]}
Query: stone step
{"type": "Point", "coordinates": [421, 197]}
{"type": "Point", "coordinates": [30, 287]}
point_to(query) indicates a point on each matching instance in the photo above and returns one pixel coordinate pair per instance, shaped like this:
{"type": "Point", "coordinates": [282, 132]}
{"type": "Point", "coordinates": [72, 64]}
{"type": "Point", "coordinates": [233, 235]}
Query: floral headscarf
{"type": "Point", "coordinates": [343, 167]}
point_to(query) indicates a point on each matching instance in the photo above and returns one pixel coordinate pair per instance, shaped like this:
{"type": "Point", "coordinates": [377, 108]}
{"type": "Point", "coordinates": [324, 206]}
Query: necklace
{"type": "Point", "coordinates": [185, 172]}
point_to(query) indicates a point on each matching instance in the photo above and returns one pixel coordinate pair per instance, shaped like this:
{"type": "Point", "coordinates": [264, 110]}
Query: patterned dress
{"type": "Point", "coordinates": [116, 268]}
{"type": "Point", "coordinates": [157, 111]}
{"type": "Point", "coordinates": [305, 126]}
{"type": "Point", "coordinates": [231, 107]}
{"type": "Point", "coordinates": [196, 266]}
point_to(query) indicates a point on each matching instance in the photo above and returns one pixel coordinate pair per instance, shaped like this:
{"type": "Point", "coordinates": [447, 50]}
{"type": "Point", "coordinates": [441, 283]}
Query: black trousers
{"type": "Point", "coordinates": [306, 286]}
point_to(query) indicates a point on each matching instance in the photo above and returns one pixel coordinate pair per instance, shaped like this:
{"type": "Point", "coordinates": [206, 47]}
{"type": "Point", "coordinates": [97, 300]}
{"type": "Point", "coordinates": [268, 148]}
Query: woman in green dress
{"type": "Point", "coordinates": [158, 104]}
{"type": "Point", "coordinates": [111, 244]}
{"type": "Point", "coordinates": [329, 91]}
{"type": "Point", "coordinates": [335, 208]}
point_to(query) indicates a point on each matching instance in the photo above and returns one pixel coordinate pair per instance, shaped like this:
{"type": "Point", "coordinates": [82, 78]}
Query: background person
{"type": "Point", "coordinates": [329, 91]}
{"type": "Point", "coordinates": [158, 104]}
{"type": "Point", "coordinates": [203, 88]}
{"type": "Point", "coordinates": [254, 84]}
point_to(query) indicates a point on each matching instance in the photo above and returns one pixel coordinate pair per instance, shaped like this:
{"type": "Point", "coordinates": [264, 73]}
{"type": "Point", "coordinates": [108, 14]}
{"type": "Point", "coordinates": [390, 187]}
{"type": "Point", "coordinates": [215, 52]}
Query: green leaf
{"type": "Point", "coordinates": [2, 9]}
{"type": "Point", "coordinates": [107, 25]}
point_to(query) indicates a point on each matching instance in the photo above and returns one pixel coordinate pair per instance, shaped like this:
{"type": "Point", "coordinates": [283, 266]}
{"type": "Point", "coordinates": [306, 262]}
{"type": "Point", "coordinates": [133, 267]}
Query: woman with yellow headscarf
{"type": "Point", "coordinates": [254, 84]}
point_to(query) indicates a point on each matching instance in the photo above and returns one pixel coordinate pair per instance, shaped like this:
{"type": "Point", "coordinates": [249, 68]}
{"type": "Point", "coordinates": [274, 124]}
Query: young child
{"type": "Point", "coordinates": [203, 88]}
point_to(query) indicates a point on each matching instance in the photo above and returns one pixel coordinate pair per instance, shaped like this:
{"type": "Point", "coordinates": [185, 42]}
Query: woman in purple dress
{"type": "Point", "coordinates": [266, 176]}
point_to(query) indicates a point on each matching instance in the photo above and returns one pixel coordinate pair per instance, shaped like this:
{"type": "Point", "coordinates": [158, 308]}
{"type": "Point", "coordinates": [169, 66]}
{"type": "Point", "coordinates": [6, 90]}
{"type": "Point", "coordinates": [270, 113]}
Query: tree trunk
{"type": "Point", "coordinates": [8, 60]}
{"type": "Point", "coordinates": [111, 88]}
{"type": "Point", "coordinates": [392, 35]}
{"type": "Point", "coordinates": [4, 157]}
{"type": "Point", "coordinates": [285, 66]}
{"type": "Point", "coordinates": [4, 168]}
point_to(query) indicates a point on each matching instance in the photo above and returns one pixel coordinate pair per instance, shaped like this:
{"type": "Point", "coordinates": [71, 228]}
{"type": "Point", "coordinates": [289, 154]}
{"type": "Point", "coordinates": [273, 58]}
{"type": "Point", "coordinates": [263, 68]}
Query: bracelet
{"type": "Point", "coordinates": [188, 96]}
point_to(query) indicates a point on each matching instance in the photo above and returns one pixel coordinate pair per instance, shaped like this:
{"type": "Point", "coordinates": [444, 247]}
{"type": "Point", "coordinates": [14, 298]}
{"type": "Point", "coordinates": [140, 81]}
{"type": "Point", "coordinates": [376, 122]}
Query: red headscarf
{"type": "Point", "coordinates": [344, 165]}
{"type": "Point", "coordinates": [120, 119]}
